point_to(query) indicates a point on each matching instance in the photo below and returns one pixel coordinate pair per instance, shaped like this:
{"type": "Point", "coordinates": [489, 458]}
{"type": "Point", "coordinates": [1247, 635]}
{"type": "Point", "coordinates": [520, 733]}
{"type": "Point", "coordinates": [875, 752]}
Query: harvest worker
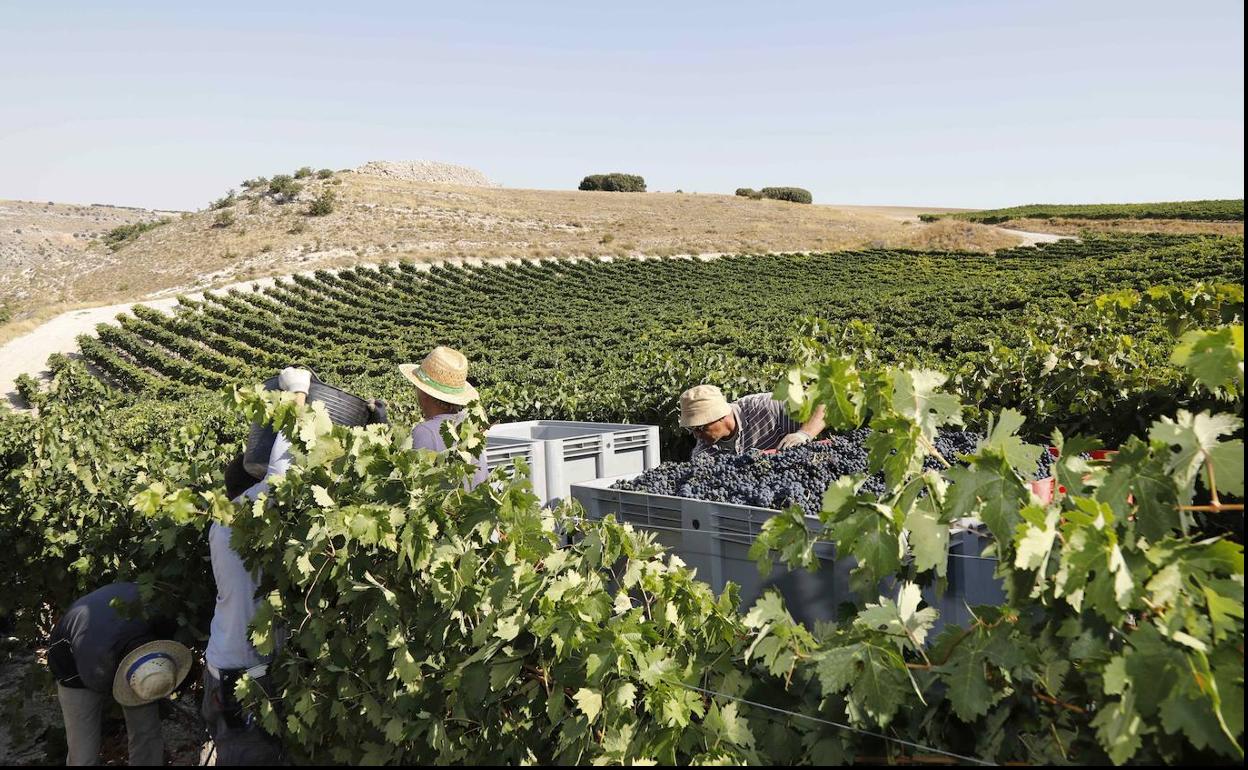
{"type": "Point", "coordinates": [104, 645]}
{"type": "Point", "coordinates": [443, 391]}
{"type": "Point", "coordinates": [751, 422]}
{"type": "Point", "coordinates": [236, 737]}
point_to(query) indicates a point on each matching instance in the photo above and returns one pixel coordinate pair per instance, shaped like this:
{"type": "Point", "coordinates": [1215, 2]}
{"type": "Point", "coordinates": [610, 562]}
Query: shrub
{"type": "Point", "coordinates": [792, 194]}
{"type": "Point", "coordinates": [224, 219]}
{"type": "Point", "coordinates": [5, 314]}
{"type": "Point", "coordinates": [226, 202]}
{"type": "Point", "coordinates": [252, 184]}
{"type": "Point", "coordinates": [284, 188]}
{"type": "Point", "coordinates": [123, 234]}
{"type": "Point", "coordinates": [324, 204]}
{"type": "Point", "coordinates": [749, 192]}
{"type": "Point", "coordinates": [304, 172]}
{"type": "Point", "coordinates": [614, 182]}
{"type": "Point", "coordinates": [325, 173]}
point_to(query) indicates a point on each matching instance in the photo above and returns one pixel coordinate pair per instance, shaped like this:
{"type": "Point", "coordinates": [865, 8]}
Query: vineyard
{"type": "Point", "coordinates": [423, 625]}
{"type": "Point", "coordinates": [1209, 211]}
{"type": "Point", "coordinates": [615, 341]}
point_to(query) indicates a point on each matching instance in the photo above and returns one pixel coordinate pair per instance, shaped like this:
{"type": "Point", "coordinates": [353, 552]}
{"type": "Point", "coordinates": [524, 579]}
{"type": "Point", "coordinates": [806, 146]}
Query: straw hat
{"type": "Point", "coordinates": [150, 672]}
{"type": "Point", "coordinates": [702, 405]}
{"type": "Point", "coordinates": [443, 375]}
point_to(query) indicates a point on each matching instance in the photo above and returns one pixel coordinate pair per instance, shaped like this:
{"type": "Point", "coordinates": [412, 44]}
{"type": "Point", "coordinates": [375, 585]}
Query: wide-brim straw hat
{"type": "Point", "coordinates": [150, 672]}
{"type": "Point", "coordinates": [702, 405]}
{"type": "Point", "coordinates": [443, 375]}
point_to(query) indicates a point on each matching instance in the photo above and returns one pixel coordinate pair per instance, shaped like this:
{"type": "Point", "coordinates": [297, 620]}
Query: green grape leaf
{"type": "Point", "coordinates": [968, 692]}
{"type": "Point", "coordinates": [1194, 440]}
{"type": "Point", "coordinates": [1214, 358]}
{"type": "Point", "coordinates": [589, 702]}
{"type": "Point", "coordinates": [988, 490]}
{"type": "Point", "coordinates": [1002, 436]}
{"type": "Point", "coordinates": [929, 536]}
{"type": "Point", "coordinates": [916, 397]}
{"type": "Point", "coordinates": [1120, 729]}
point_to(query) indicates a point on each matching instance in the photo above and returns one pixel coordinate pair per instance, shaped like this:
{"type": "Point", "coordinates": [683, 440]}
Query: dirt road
{"type": "Point", "coordinates": [29, 353]}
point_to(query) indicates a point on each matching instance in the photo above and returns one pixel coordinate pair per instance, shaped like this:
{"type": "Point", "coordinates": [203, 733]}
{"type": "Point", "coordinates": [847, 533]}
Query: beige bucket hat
{"type": "Point", "coordinates": [444, 375]}
{"type": "Point", "coordinates": [150, 672]}
{"type": "Point", "coordinates": [702, 405]}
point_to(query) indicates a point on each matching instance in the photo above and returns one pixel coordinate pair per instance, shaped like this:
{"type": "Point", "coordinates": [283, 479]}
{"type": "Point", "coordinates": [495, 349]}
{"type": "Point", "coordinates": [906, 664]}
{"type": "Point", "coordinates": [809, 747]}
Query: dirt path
{"type": "Point", "coordinates": [1031, 239]}
{"type": "Point", "coordinates": [29, 353]}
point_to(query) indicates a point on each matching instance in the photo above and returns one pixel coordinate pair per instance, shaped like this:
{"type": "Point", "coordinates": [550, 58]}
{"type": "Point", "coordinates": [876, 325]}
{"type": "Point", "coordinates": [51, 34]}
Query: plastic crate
{"type": "Point", "coordinates": [502, 452]}
{"type": "Point", "coordinates": [576, 452]}
{"type": "Point", "coordinates": [664, 516]}
{"type": "Point", "coordinates": [715, 539]}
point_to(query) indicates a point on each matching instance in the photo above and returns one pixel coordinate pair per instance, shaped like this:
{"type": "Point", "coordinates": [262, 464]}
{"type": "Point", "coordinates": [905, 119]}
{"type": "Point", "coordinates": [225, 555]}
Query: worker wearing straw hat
{"type": "Point", "coordinates": [757, 421]}
{"type": "Point", "coordinates": [97, 651]}
{"type": "Point", "coordinates": [443, 391]}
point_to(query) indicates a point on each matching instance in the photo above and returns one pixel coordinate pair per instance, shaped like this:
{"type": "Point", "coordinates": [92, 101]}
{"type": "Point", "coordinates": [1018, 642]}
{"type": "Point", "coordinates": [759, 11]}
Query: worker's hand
{"type": "Point", "coordinates": [377, 411]}
{"type": "Point", "coordinates": [295, 380]}
{"type": "Point", "coordinates": [796, 438]}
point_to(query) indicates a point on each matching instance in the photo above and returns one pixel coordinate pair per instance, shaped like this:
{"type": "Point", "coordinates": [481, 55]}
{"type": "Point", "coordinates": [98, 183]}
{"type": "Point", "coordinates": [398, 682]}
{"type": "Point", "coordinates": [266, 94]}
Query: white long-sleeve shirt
{"type": "Point", "coordinates": [229, 645]}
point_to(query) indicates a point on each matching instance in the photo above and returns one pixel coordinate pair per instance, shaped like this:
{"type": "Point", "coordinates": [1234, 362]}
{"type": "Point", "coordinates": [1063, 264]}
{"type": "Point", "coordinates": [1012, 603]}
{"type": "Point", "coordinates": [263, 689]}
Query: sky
{"type": "Point", "coordinates": [961, 104]}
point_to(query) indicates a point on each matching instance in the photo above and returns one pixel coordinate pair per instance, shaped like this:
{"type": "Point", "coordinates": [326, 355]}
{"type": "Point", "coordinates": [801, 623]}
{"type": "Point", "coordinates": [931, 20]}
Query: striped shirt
{"type": "Point", "coordinates": [762, 423]}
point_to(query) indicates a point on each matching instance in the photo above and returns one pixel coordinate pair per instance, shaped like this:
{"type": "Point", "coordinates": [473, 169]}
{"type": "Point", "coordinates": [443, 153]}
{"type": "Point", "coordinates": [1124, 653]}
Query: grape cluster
{"type": "Point", "coordinates": [795, 476]}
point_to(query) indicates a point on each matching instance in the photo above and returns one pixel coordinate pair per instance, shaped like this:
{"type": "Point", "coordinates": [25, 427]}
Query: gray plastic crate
{"type": "Point", "coordinates": [715, 539]}
{"type": "Point", "coordinates": [503, 451]}
{"type": "Point", "coordinates": [583, 451]}
{"type": "Point", "coordinates": [661, 515]}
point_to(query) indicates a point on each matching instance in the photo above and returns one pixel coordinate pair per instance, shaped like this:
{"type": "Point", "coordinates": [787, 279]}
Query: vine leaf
{"type": "Point", "coordinates": [589, 702]}
{"type": "Point", "coordinates": [1194, 440]}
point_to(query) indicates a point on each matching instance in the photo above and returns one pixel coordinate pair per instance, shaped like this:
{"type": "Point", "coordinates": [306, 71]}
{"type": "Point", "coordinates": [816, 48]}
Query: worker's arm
{"type": "Point", "coordinates": [815, 425]}
{"type": "Point", "coordinates": [809, 430]}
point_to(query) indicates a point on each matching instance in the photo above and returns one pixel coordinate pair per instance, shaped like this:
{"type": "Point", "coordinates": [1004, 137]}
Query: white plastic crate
{"type": "Point", "coordinates": [715, 538]}
{"type": "Point", "coordinates": [576, 452]}
{"type": "Point", "coordinates": [503, 451]}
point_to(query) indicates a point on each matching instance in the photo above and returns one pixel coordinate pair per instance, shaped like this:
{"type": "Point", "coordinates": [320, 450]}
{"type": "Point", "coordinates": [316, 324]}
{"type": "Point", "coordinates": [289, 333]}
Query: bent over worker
{"type": "Point", "coordinates": [106, 646]}
{"type": "Point", "coordinates": [756, 421]}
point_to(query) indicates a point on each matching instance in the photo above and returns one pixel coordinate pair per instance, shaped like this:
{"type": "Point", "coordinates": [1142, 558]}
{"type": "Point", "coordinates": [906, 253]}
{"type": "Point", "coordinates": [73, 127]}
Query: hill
{"type": "Point", "coordinates": [45, 245]}
{"type": "Point", "coordinates": [387, 217]}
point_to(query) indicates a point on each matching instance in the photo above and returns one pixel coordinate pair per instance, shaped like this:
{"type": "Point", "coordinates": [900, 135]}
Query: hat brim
{"type": "Point", "coordinates": [705, 415]}
{"type": "Point", "coordinates": [124, 694]}
{"type": "Point", "coordinates": [463, 398]}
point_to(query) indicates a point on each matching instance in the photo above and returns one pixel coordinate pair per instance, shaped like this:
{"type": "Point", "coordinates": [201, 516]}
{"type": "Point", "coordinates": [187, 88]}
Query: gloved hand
{"type": "Point", "coordinates": [295, 380]}
{"type": "Point", "coordinates": [794, 439]}
{"type": "Point", "coordinates": [377, 411]}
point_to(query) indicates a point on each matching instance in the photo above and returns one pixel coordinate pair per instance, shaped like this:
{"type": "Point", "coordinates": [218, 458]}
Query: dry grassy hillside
{"type": "Point", "coordinates": [43, 245]}
{"type": "Point", "coordinates": [375, 218]}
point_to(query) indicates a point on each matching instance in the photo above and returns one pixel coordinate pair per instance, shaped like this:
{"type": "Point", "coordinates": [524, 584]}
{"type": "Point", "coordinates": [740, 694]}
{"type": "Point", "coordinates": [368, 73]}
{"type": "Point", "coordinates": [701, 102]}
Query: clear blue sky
{"type": "Point", "coordinates": [960, 104]}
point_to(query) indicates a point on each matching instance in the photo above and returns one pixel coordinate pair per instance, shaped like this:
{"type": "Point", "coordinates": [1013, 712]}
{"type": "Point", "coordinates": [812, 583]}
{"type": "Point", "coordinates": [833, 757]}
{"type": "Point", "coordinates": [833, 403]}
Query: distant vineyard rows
{"type": "Point", "coordinates": [1211, 210]}
{"type": "Point", "coordinates": [616, 341]}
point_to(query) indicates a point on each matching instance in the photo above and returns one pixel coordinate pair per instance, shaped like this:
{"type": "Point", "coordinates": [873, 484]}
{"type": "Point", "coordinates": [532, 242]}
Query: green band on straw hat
{"type": "Point", "coordinates": [449, 389]}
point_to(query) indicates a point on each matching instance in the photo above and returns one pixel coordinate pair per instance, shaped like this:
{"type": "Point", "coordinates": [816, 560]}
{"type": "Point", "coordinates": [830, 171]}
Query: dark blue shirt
{"type": "Point", "coordinates": [92, 637]}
